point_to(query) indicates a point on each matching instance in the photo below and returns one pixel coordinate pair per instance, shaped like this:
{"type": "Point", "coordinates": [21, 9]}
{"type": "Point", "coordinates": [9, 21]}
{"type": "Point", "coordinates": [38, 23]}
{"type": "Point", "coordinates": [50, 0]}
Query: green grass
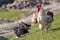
{"type": "Point", "coordinates": [35, 33]}
{"type": "Point", "coordinates": [12, 14]}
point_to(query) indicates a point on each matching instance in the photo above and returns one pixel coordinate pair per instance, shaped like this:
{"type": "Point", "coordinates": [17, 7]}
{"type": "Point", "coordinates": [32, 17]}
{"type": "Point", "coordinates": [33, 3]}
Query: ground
{"type": "Point", "coordinates": [35, 33]}
{"type": "Point", "coordinates": [12, 14]}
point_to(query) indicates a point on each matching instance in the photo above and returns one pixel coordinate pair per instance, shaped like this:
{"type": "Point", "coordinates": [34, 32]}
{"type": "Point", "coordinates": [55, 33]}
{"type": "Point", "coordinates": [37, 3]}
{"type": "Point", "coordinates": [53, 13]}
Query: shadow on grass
{"type": "Point", "coordinates": [55, 29]}
{"type": "Point", "coordinates": [3, 38]}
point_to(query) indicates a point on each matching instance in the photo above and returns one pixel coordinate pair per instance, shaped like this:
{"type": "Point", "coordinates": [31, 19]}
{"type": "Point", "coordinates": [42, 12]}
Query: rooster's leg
{"type": "Point", "coordinates": [41, 28]}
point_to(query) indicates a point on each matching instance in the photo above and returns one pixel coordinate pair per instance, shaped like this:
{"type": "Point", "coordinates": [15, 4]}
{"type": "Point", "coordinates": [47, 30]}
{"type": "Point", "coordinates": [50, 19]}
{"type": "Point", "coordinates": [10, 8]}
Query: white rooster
{"type": "Point", "coordinates": [44, 19]}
